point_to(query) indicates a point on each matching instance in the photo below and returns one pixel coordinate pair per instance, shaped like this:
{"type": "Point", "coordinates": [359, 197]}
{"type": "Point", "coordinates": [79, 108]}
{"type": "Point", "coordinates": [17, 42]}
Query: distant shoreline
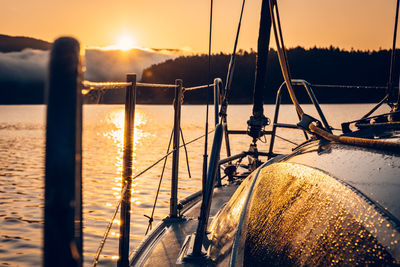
{"type": "Point", "coordinates": [316, 65]}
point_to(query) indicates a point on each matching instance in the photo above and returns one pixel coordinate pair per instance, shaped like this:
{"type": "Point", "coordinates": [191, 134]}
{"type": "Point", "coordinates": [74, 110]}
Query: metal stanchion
{"type": "Point", "coordinates": [130, 103]}
{"type": "Point", "coordinates": [175, 156]}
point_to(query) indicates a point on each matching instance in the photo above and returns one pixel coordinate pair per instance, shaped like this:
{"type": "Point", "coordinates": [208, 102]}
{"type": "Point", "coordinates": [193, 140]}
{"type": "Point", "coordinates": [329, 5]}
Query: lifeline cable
{"type": "Point", "coordinates": [158, 188]}
{"type": "Point", "coordinates": [151, 217]}
{"type": "Point", "coordinates": [105, 236]}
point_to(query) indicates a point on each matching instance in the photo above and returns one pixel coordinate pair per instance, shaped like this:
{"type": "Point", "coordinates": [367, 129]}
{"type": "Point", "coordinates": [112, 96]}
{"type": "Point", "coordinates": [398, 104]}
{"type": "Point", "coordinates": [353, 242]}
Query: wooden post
{"type": "Point", "coordinates": [63, 174]}
{"type": "Point", "coordinates": [130, 103]}
{"type": "Point", "coordinates": [173, 213]}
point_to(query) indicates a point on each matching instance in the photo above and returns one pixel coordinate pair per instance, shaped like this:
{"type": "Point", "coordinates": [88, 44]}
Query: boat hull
{"type": "Point", "coordinates": [324, 204]}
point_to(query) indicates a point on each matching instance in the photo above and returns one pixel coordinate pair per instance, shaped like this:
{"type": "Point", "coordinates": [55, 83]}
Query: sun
{"type": "Point", "coordinates": [125, 42]}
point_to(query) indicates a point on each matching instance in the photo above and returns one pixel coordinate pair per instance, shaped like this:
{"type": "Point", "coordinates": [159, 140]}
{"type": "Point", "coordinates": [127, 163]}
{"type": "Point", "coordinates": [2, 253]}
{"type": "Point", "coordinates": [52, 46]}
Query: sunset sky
{"type": "Point", "coordinates": [183, 24]}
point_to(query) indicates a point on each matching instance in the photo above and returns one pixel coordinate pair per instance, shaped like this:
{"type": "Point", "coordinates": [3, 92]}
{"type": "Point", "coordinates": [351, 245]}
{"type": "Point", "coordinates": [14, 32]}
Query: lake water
{"type": "Point", "coordinates": [22, 143]}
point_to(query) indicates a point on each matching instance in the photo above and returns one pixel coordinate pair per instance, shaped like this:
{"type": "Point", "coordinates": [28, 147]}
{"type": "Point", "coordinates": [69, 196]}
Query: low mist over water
{"type": "Point", "coordinates": [101, 65]}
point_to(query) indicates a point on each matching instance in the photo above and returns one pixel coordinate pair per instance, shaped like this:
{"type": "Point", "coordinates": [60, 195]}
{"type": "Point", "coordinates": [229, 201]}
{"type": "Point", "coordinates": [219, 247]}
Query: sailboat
{"type": "Point", "coordinates": [333, 201]}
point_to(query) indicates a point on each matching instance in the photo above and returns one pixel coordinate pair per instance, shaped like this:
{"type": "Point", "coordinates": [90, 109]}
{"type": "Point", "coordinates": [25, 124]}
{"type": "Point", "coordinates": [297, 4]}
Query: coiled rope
{"type": "Point", "coordinates": [363, 142]}
{"type": "Point", "coordinates": [312, 127]}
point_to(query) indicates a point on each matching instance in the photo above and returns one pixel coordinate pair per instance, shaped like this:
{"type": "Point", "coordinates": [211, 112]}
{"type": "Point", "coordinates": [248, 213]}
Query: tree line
{"type": "Point", "coordinates": [331, 66]}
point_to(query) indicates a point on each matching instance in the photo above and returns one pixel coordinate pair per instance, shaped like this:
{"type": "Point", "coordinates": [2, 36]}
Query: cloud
{"type": "Point", "coordinates": [30, 65]}
{"type": "Point", "coordinates": [113, 65]}
{"type": "Point", "coordinates": [23, 67]}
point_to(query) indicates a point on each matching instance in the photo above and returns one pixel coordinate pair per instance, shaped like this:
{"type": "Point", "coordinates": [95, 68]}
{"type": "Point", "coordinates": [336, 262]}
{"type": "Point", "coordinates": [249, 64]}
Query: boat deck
{"type": "Point", "coordinates": [163, 245]}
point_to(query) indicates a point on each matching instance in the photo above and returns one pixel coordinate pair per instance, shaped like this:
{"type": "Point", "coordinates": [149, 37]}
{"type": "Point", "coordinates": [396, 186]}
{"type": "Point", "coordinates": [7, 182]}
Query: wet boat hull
{"type": "Point", "coordinates": [326, 203]}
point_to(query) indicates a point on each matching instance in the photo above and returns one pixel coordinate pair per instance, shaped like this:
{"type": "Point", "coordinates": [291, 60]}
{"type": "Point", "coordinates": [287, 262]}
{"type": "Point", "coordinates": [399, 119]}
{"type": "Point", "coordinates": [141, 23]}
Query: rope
{"type": "Point", "coordinates": [156, 85]}
{"type": "Point", "coordinates": [186, 153]}
{"type": "Point", "coordinates": [198, 87]}
{"type": "Point", "coordinates": [105, 236]}
{"type": "Point", "coordinates": [282, 55]}
{"type": "Point", "coordinates": [88, 85]}
{"type": "Point", "coordinates": [158, 189]}
{"type": "Point", "coordinates": [363, 142]}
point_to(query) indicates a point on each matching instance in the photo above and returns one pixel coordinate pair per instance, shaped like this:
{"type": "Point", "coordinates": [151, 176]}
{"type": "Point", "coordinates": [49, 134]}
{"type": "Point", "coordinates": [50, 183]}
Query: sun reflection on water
{"type": "Point", "coordinates": [117, 119]}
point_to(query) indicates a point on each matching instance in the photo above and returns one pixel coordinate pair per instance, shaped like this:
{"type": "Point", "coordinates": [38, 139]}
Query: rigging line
{"type": "Point", "coordinates": [205, 155]}
{"type": "Point", "coordinates": [151, 218]}
{"type": "Point", "coordinates": [376, 107]}
{"type": "Point", "coordinates": [287, 140]}
{"type": "Point", "coordinates": [186, 153]}
{"type": "Point", "coordinates": [124, 189]}
{"type": "Point", "coordinates": [281, 55]}
{"type": "Point", "coordinates": [106, 233]}
{"type": "Point", "coordinates": [334, 86]}
{"type": "Point", "coordinates": [283, 59]}
{"type": "Point", "coordinates": [166, 155]}
{"type": "Point", "coordinates": [197, 138]}
{"type": "Point", "coordinates": [231, 67]}
{"type": "Point", "coordinates": [282, 43]}
{"type": "Point", "coordinates": [394, 45]}
{"type": "Point", "coordinates": [158, 188]}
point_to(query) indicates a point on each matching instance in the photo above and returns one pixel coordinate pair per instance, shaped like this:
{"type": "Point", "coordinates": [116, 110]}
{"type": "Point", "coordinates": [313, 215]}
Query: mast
{"type": "Point", "coordinates": [258, 121]}
{"type": "Point", "coordinates": [262, 56]}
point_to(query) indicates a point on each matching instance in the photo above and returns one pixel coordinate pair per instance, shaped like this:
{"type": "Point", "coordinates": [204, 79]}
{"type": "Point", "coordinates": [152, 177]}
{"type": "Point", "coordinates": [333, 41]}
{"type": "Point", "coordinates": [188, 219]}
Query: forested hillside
{"type": "Point", "coordinates": [316, 65]}
{"type": "Point", "coordinates": [19, 43]}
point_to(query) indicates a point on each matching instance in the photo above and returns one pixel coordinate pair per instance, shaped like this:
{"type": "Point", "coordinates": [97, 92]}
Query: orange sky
{"type": "Point", "coordinates": [358, 24]}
